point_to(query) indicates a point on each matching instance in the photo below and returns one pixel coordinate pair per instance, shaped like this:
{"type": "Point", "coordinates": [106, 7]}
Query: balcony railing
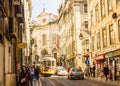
{"type": "Point", "coordinates": [16, 2]}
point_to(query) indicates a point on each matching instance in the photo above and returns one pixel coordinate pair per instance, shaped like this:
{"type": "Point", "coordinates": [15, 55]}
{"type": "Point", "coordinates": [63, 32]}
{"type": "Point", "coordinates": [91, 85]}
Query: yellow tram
{"type": "Point", "coordinates": [48, 66]}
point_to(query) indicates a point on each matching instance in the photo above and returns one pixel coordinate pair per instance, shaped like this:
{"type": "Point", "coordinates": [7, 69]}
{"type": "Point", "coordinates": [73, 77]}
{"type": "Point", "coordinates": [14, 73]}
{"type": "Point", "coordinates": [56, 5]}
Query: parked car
{"type": "Point", "coordinates": [75, 73]}
{"type": "Point", "coordinates": [62, 71]}
{"type": "Point", "coordinates": [58, 68]}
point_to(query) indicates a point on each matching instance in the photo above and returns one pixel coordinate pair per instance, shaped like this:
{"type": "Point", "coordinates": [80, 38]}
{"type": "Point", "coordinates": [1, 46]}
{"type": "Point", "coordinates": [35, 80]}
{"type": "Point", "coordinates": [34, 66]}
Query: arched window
{"type": "Point", "coordinates": [44, 52]}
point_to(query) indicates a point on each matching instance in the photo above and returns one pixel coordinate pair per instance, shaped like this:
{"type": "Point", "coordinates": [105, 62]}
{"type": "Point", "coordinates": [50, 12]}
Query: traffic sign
{"type": "Point", "coordinates": [87, 62]}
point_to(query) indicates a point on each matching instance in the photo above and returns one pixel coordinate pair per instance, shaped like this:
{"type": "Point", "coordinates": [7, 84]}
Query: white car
{"type": "Point", "coordinates": [62, 71]}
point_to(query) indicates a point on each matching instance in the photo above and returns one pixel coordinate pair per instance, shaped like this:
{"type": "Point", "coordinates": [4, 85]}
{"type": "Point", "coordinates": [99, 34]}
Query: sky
{"type": "Point", "coordinates": [51, 6]}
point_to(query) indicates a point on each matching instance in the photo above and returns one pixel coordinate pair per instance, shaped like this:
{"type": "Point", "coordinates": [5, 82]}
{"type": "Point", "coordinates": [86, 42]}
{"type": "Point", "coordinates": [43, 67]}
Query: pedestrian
{"type": "Point", "coordinates": [37, 72]}
{"type": "Point", "coordinates": [94, 71]}
{"type": "Point", "coordinates": [29, 76]}
{"type": "Point", "coordinates": [91, 71]}
{"type": "Point", "coordinates": [23, 77]}
{"type": "Point", "coordinates": [106, 71]}
{"type": "Point", "coordinates": [110, 73]}
{"type": "Point", "coordinates": [32, 74]}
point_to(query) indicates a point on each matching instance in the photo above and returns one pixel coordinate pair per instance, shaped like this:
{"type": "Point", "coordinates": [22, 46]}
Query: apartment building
{"type": "Point", "coordinates": [104, 24]}
{"type": "Point", "coordinates": [71, 22]}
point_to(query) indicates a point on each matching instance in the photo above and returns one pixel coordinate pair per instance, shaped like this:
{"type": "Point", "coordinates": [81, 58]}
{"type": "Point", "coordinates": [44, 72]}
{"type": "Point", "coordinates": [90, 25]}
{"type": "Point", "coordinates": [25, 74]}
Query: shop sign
{"type": "Point", "coordinates": [108, 55]}
{"type": "Point", "coordinates": [22, 45]}
{"type": "Point", "coordinates": [116, 53]}
{"type": "Point", "coordinates": [99, 57]}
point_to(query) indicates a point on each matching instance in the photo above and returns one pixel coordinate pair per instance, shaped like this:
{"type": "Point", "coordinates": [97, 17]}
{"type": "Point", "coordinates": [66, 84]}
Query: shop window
{"type": "Point", "coordinates": [117, 72]}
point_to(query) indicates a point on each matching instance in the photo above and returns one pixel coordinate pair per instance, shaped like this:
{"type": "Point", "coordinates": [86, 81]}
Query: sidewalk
{"type": "Point", "coordinates": [116, 83]}
{"type": "Point", "coordinates": [40, 82]}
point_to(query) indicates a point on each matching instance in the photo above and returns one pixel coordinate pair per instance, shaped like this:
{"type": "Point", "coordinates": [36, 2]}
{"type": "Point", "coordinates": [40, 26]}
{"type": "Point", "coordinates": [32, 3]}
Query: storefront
{"type": "Point", "coordinates": [114, 63]}
{"type": "Point", "coordinates": [99, 60]}
{"type": "Point", "coordinates": [116, 55]}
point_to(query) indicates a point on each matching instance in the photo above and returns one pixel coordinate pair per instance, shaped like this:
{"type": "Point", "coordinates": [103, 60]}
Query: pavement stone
{"type": "Point", "coordinates": [116, 83]}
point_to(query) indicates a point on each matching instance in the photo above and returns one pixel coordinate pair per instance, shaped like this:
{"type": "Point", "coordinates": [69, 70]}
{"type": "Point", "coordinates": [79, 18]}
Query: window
{"type": "Point", "coordinates": [112, 36]}
{"type": "Point", "coordinates": [118, 1]}
{"type": "Point", "coordinates": [93, 45]}
{"type": "Point", "coordinates": [103, 8]}
{"type": "Point", "coordinates": [44, 20]}
{"type": "Point", "coordinates": [53, 39]}
{"type": "Point", "coordinates": [119, 29]}
{"type": "Point", "coordinates": [85, 8]}
{"type": "Point", "coordinates": [92, 18]}
{"type": "Point", "coordinates": [86, 24]}
{"type": "Point", "coordinates": [43, 39]}
{"type": "Point", "coordinates": [110, 5]}
{"type": "Point", "coordinates": [96, 14]}
{"type": "Point", "coordinates": [98, 40]}
{"type": "Point", "coordinates": [104, 37]}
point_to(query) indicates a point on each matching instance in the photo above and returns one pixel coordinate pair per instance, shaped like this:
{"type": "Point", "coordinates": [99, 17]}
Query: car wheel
{"type": "Point", "coordinates": [82, 78]}
{"type": "Point", "coordinates": [71, 78]}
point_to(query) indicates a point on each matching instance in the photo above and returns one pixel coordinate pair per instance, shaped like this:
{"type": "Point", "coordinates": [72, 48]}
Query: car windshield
{"type": "Point", "coordinates": [63, 69]}
{"type": "Point", "coordinates": [76, 70]}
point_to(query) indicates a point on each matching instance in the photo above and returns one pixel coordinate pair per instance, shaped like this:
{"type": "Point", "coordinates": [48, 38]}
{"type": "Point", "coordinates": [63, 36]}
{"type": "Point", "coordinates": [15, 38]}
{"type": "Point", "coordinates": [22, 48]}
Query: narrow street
{"type": "Point", "coordinates": [75, 38]}
{"type": "Point", "coordinates": [63, 81]}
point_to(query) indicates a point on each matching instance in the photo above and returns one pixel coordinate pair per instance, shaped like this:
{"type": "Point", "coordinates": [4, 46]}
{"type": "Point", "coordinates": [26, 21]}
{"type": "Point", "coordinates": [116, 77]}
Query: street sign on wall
{"type": "Point", "coordinates": [87, 62]}
{"type": "Point", "coordinates": [22, 45]}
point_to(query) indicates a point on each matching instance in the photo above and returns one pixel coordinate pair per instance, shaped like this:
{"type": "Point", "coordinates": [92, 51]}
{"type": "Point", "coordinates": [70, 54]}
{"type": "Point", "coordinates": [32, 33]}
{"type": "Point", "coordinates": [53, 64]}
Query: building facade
{"type": "Point", "coordinates": [11, 17]}
{"type": "Point", "coordinates": [104, 24]}
{"type": "Point", "coordinates": [71, 22]}
{"type": "Point", "coordinates": [44, 37]}
{"type": "Point", "coordinates": [26, 37]}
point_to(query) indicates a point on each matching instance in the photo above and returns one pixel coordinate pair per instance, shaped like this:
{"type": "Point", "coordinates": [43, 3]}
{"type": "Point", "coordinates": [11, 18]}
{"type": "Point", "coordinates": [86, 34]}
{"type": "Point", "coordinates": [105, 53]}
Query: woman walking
{"type": "Point", "coordinates": [23, 77]}
{"type": "Point", "coordinates": [106, 71]}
